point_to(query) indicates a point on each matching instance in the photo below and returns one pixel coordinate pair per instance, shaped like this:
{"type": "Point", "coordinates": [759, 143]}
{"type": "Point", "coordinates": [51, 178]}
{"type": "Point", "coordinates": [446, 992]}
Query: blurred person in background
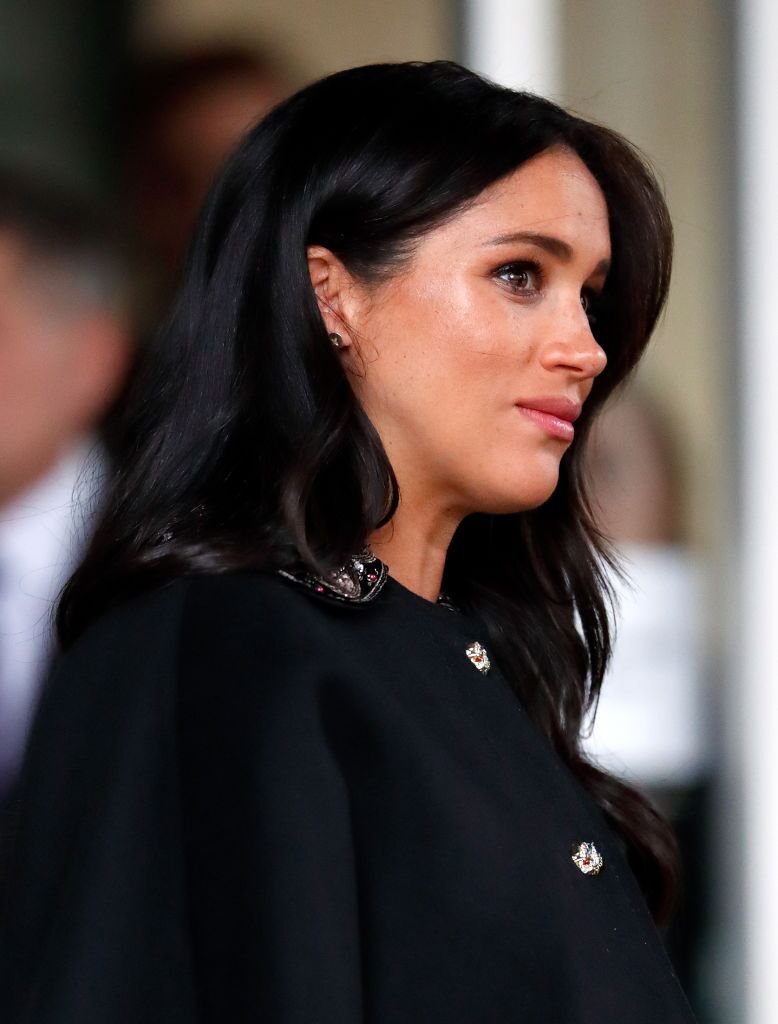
{"type": "Point", "coordinates": [65, 346]}
{"type": "Point", "coordinates": [653, 724]}
{"type": "Point", "coordinates": [186, 112]}
{"type": "Point", "coordinates": [651, 720]}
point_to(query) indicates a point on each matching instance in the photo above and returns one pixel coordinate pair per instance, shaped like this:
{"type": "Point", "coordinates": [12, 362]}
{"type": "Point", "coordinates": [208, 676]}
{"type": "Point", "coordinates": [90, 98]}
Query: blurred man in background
{"type": "Point", "coordinates": [65, 347]}
{"type": "Point", "coordinates": [66, 340]}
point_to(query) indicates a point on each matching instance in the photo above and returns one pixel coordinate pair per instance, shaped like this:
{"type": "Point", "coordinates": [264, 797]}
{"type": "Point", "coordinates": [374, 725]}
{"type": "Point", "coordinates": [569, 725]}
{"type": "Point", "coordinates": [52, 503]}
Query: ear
{"type": "Point", "coordinates": [333, 286]}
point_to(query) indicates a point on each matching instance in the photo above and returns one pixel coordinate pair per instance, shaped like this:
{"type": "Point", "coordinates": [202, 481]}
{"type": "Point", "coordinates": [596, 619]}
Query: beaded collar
{"type": "Point", "coordinates": [358, 581]}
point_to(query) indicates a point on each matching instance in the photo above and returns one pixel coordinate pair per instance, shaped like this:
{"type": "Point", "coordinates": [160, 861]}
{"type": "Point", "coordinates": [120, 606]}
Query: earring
{"type": "Point", "coordinates": [336, 340]}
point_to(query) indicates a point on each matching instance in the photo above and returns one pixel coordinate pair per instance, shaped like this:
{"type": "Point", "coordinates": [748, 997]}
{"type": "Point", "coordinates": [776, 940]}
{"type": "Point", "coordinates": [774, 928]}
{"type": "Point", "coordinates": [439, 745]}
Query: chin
{"type": "Point", "coordinates": [525, 496]}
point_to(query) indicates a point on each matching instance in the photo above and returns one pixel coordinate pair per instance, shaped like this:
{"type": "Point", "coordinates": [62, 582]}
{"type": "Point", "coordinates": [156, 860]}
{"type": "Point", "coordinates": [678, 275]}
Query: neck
{"type": "Point", "coordinates": [413, 545]}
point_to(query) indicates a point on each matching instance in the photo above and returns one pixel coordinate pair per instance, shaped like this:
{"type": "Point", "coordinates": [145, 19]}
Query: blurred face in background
{"type": "Point", "coordinates": [186, 145]}
{"type": "Point", "coordinates": [633, 474]}
{"type": "Point", "coordinates": [62, 361]}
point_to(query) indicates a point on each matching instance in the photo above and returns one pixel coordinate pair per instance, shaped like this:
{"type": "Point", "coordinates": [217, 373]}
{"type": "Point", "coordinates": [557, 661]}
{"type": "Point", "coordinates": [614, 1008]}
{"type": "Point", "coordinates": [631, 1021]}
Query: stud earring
{"type": "Point", "coordinates": [336, 340]}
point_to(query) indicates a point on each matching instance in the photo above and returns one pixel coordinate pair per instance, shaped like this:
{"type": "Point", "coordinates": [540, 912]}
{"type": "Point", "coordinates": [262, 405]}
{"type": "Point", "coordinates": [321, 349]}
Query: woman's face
{"type": "Point", "coordinates": [474, 360]}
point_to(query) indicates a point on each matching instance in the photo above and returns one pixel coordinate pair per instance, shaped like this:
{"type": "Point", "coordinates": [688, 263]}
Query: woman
{"type": "Point", "coordinates": [312, 754]}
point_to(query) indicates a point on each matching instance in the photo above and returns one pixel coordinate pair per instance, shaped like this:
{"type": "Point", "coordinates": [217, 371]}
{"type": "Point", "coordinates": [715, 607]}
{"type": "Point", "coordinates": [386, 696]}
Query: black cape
{"type": "Point", "coordinates": [244, 802]}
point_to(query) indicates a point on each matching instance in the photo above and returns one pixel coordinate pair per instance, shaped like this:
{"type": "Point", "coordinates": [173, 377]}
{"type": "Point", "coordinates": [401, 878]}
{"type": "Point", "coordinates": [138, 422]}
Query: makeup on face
{"type": "Point", "coordinates": [481, 353]}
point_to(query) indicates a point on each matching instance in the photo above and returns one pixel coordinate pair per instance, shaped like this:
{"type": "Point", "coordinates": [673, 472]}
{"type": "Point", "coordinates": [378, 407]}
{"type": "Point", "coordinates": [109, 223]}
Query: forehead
{"type": "Point", "coordinates": [554, 193]}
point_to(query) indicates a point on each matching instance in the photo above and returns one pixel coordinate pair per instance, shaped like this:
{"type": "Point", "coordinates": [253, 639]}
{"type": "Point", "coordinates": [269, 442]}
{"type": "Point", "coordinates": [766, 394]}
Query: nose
{"type": "Point", "coordinates": [573, 347]}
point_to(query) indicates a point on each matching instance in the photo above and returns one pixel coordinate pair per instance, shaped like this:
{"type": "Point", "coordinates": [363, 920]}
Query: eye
{"type": "Point", "coordinates": [589, 304]}
{"type": "Point", "coordinates": [523, 277]}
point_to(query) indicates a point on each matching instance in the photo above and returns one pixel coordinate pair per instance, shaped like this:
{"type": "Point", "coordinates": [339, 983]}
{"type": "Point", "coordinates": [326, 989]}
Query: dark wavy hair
{"type": "Point", "coordinates": [245, 448]}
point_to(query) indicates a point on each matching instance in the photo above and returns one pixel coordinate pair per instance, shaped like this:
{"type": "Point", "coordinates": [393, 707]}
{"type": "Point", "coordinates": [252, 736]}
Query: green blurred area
{"type": "Point", "coordinates": [61, 67]}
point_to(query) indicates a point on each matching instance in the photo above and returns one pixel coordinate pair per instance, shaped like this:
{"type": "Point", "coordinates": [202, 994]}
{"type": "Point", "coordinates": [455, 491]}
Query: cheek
{"type": "Point", "coordinates": [431, 370]}
{"type": "Point", "coordinates": [451, 359]}
{"type": "Point", "coordinates": [454, 337]}
{"type": "Point", "coordinates": [441, 392]}
{"type": "Point", "coordinates": [35, 374]}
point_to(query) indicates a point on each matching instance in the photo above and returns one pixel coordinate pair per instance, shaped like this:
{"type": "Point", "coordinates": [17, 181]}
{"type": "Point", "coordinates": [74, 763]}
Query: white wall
{"type": "Point", "coordinates": [754, 707]}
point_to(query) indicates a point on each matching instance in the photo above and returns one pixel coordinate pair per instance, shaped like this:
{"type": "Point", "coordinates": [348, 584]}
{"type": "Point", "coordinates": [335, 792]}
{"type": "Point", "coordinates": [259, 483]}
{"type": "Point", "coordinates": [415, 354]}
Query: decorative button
{"type": "Point", "coordinates": [477, 654]}
{"type": "Point", "coordinates": [587, 858]}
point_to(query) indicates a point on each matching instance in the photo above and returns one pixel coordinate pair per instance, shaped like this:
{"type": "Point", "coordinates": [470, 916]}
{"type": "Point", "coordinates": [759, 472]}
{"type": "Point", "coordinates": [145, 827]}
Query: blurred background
{"type": "Point", "coordinates": [114, 117]}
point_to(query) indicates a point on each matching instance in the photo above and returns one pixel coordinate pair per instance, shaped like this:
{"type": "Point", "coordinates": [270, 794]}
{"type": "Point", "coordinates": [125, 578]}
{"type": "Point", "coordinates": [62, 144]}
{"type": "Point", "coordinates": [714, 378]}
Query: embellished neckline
{"type": "Point", "coordinates": [358, 581]}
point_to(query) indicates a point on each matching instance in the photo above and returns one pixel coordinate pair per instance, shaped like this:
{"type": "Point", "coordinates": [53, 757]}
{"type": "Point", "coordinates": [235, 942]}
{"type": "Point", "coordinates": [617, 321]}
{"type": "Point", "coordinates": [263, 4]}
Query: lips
{"type": "Point", "coordinates": [561, 408]}
{"type": "Point", "coordinates": [554, 415]}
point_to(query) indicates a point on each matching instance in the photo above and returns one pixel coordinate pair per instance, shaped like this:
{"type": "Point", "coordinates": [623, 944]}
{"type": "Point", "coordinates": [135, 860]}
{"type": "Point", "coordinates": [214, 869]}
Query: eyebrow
{"type": "Point", "coordinates": [554, 246]}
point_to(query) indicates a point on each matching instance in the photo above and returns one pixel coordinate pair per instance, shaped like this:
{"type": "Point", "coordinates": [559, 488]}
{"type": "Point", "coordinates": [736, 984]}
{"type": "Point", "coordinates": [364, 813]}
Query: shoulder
{"type": "Point", "coordinates": [220, 661]}
{"type": "Point", "coordinates": [252, 606]}
{"type": "Point", "coordinates": [251, 628]}
{"type": "Point", "coordinates": [221, 625]}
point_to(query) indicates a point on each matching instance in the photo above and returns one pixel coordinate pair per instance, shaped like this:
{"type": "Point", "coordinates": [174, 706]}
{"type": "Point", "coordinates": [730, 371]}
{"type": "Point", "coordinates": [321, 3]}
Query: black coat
{"type": "Point", "coordinates": [244, 802]}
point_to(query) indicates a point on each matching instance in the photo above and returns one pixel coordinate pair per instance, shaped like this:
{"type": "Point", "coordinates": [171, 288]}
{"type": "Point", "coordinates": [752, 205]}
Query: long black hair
{"type": "Point", "coordinates": [245, 447]}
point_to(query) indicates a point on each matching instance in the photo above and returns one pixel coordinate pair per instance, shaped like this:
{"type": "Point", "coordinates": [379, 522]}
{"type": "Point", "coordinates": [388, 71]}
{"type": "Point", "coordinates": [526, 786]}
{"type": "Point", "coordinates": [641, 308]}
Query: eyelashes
{"type": "Point", "coordinates": [589, 302]}
{"type": "Point", "coordinates": [526, 278]}
{"type": "Point", "coordinates": [521, 271]}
